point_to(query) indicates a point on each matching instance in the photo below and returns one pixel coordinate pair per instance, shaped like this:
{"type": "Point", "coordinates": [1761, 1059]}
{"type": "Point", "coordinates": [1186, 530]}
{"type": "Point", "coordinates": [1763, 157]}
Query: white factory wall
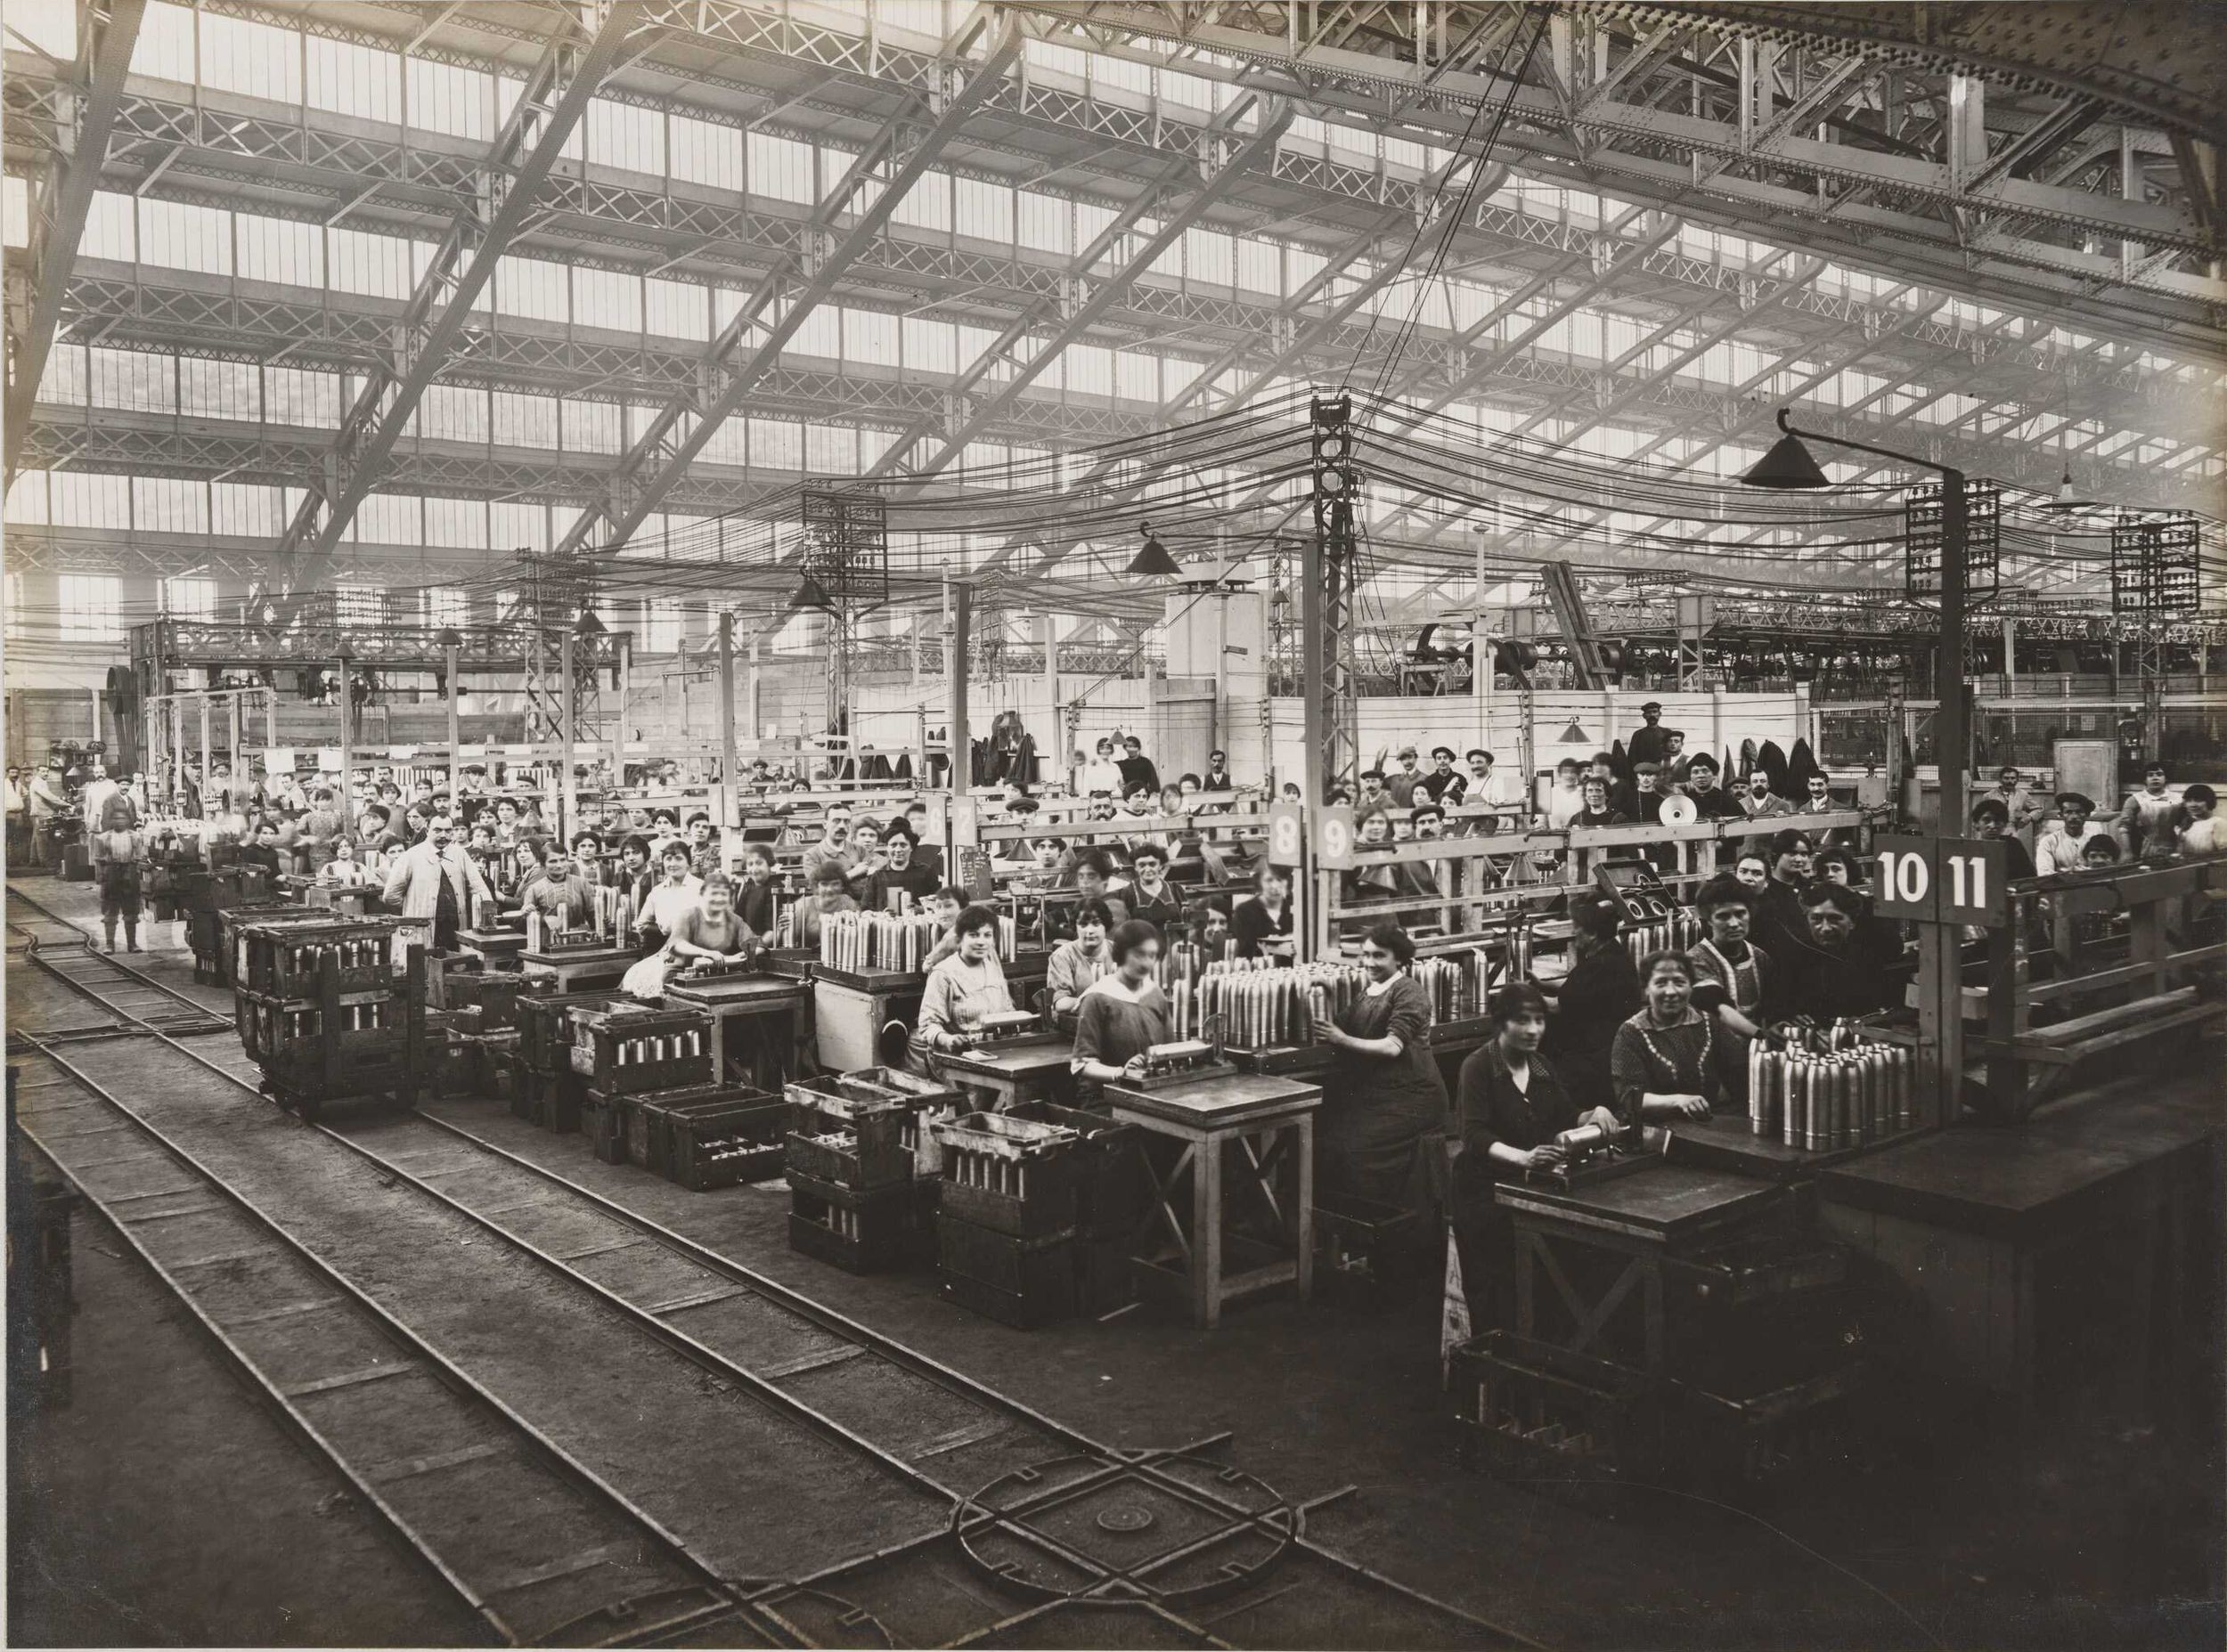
{"type": "Point", "coordinates": [1175, 716]}
{"type": "Point", "coordinates": [1712, 721]}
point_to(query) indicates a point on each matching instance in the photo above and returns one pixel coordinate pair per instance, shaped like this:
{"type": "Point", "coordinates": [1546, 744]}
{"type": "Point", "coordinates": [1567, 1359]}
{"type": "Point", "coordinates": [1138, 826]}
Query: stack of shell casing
{"type": "Point", "coordinates": [1820, 1101]}
{"type": "Point", "coordinates": [1253, 1005]}
{"type": "Point", "coordinates": [1682, 929]}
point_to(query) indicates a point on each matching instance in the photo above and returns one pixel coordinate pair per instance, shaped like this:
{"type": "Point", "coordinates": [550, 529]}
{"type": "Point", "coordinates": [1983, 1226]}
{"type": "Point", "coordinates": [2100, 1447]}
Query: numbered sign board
{"type": "Point", "coordinates": [1943, 880]}
{"type": "Point", "coordinates": [1334, 837]}
{"type": "Point", "coordinates": [1287, 834]}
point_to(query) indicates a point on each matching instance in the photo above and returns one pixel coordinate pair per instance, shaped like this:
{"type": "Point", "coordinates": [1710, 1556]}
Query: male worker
{"type": "Point", "coordinates": [1217, 778]}
{"type": "Point", "coordinates": [1442, 785]}
{"type": "Point", "coordinates": [436, 880]}
{"type": "Point", "coordinates": [2059, 849]}
{"type": "Point", "coordinates": [562, 893]}
{"type": "Point", "coordinates": [2018, 802]}
{"type": "Point", "coordinates": [1758, 801]}
{"type": "Point", "coordinates": [834, 846]}
{"type": "Point", "coordinates": [47, 801]}
{"type": "Point", "coordinates": [1400, 787]}
{"type": "Point", "coordinates": [1646, 745]}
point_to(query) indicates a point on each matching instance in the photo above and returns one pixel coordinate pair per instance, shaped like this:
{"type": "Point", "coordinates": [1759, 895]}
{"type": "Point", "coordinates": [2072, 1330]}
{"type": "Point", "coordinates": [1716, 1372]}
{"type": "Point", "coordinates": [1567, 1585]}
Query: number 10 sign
{"type": "Point", "coordinates": [1943, 880]}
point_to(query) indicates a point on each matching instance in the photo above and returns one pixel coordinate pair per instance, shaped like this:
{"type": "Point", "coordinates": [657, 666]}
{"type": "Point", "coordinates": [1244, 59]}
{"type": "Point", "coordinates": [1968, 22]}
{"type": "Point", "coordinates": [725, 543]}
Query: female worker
{"type": "Point", "coordinates": [1733, 977]}
{"type": "Point", "coordinates": [1591, 1002]}
{"type": "Point", "coordinates": [1753, 868]}
{"type": "Point", "coordinates": [1665, 1060]}
{"type": "Point", "coordinates": [709, 928]}
{"type": "Point", "coordinates": [1511, 1108]}
{"type": "Point", "coordinates": [964, 988]}
{"type": "Point", "coordinates": [1382, 1135]}
{"type": "Point", "coordinates": [1262, 926]}
{"type": "Point", "coordinates": [1077, 965]}
{"type": "Point", "coordinates": [1123, 1015]}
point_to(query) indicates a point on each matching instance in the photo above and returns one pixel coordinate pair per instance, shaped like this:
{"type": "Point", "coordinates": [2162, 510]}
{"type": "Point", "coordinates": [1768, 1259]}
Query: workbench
{"type": "Point", "coordinates": [1596, 1243]}
{"type": "Point", "coordinates": [584, 970]}
{"type": "Point", "coordinates": [2059, 1265]}
{"type": "Point", "coordinates": [502, 947]}
{"type": "Point", "coordinates": [766, 1005]}
{"type": "Point", "coordinates": [1017, 1070]}
{"type": "Point", "coordinates": [1726, 1141]}
{"type": "Point", "coordinates": [1269, 1122]}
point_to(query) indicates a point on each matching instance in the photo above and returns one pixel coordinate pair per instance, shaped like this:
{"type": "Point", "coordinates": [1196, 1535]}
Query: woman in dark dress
{"type": "Point", "coordinates": [1382, 1132]}
{"type": "Point", "coordinates": [1592, 1001]}
{"type": "Point", "coordinates": [1511, 1107]}
{"type": "Point", "coordinates": [1263, 925]}
{"type": "Point", "coordinates": [1121, 1015]}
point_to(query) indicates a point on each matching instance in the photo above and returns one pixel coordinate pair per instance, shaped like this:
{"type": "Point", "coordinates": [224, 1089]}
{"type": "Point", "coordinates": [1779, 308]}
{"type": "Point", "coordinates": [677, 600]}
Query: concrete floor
{"type": "Point", "coordinates": [2102, 1535]}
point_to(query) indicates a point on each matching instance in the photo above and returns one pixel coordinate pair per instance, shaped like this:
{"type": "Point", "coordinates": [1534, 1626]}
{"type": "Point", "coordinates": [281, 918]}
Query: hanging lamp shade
{"type": "Point", "coordinates": [1154, 560]}
{"type": "Point", "coordinates": [450, 638]}
{"type": "Point", "coordinates": [587, 624]}
{"type": "Point", "coordinates": [2068, 497]}
{"type": "Point", "coordinates": [811, 594]}
{"type": "Point", "coordinates": [1788, 465]}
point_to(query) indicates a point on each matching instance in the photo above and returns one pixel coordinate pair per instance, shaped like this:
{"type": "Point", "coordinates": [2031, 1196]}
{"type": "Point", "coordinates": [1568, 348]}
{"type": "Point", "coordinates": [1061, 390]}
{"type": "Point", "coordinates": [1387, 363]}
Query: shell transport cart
{"type": "Point", "coordinates": [626, 1051]}
{"type": "Point", "coordinates": [1005, 1224]}
{"type": "Point", "coordinates": [863, 1165]}
{"type": "Point", "coordinates": [324, 1042]}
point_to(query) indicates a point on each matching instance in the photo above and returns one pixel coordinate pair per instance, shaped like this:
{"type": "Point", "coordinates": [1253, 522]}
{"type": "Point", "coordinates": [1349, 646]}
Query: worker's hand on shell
{"type": "Point", "coordinates": [1546, 1156]}
{"type": "Point", "coordinates": [1692, 1106]}
{"type": "Point", "coordinates": [1606, 1119]}
{"type": "Point", "coordinates": [1134, 1066]}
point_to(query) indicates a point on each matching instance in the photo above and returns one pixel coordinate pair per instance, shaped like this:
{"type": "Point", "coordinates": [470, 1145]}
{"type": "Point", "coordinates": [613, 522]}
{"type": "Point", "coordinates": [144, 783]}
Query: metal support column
{"type": "Point", "coordinates": [958, 738]}
{"type": "Point", "coordinates": [1331, 745]}
{"type": "Point", "coordinates": [565, 788]}
{"type": "Point", "coordinates": [455, 735]}
{"type": "Point", "coordinates": [729, 791]}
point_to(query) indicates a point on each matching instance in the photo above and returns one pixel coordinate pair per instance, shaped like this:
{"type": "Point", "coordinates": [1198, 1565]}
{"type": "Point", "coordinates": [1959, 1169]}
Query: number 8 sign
{"type": "Point", "coordinates": [1287, 834]}
{"type": "Point", "coordinates": [1942, 880]}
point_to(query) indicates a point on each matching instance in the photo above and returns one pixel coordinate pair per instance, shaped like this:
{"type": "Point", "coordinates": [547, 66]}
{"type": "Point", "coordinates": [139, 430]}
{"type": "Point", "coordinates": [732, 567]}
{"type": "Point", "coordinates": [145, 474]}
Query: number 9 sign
{"type": "Point", "coordinates": [1334, 837]}
{"type": "Point", "coordinates": [1287, 834]}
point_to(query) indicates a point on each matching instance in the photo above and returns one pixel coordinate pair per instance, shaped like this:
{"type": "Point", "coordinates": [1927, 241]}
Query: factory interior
{"type": "Point", "coordinates": [1116, 824]}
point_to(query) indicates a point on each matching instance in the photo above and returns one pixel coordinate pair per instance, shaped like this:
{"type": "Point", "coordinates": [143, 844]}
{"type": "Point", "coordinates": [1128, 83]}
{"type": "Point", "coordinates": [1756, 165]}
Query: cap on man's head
{"type": "Point", "coordinates": [1446, 752]}
{"type": "Point", "coordinates": [1426, 810]}
{"type": "Point", "coordinates": [1651, 705]}
{"type": "Point", "coordinates": [1371, 774]}
{"type": "Point", "coordinates": [1476, 752]}
{"type": "Point", "coordinates": [1406, 751]}
{"type": "Point", "coordinates": [1646, 768]}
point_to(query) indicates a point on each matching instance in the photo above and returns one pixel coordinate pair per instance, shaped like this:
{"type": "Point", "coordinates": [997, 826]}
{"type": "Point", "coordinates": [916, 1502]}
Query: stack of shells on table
{"type": "Point", "coordinates": [899, 942]}
{"type": "Point", "coordinates": [1253, 1003]}
{"type": "Point", "coordinates": [1821, 1089]}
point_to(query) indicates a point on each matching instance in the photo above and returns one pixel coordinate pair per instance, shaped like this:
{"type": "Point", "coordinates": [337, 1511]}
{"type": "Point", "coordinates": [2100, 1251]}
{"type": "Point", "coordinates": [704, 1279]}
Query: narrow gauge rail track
{"type": "Point", "coordinates": [939, 1430]}
{"type": "Point", "coordinates": [446, 1463]}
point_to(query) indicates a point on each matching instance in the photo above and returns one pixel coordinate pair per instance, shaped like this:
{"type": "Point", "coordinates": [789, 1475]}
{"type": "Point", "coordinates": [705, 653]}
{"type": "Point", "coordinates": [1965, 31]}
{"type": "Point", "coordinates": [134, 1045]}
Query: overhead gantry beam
{"type": "Point", "coordinates": [549, 107]}
{"type": "Point", "coordinates": [684, 427]}
{"type": "Point", "coordinates": [60, 204]}
{"type": "Point", "coordinates": [1104, 296]}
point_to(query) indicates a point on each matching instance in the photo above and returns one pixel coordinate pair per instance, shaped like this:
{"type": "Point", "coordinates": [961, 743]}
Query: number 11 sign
{"type": "Point", "coordinates": [1943, 880]}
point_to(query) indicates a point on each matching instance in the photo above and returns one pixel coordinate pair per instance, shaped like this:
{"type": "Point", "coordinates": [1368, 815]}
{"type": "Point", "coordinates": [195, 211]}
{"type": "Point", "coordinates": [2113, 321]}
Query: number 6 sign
{"type": "Point", "coordinates": [1942, 880]}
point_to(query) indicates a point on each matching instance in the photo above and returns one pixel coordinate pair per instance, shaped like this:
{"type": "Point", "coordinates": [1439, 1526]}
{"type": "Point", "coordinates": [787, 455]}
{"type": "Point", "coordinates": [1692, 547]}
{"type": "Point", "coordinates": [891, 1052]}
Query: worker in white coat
{"type": "Point", "coordinates": [436, 880]}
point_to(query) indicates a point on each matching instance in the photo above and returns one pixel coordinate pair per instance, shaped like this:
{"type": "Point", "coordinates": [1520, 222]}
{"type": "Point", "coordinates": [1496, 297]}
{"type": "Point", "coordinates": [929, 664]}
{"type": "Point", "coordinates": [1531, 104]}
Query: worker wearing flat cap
{"type": "Point", "coordinates": [1443, 784]}
{"type": "Point", "coordinates": [1647, 742]}
{"type": "Point", "coordinates": [1400, 787]}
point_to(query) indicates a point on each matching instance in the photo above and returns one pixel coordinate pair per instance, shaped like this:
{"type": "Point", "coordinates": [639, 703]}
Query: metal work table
{"type": "Point", "coordinates": [1270, 1121]}
{"type": "Point", "coordinates": [1644, 1217]}
{"type": "Point", "coordinates": [747, 998]}
{"type": "Point", "coordinates": [582, 970]}
{"type": "Point", "coordinates": [1024, 1069]}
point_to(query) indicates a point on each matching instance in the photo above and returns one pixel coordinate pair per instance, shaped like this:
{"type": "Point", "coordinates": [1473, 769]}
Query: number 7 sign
{"type": "Point", "coordinates": [1943, 880]}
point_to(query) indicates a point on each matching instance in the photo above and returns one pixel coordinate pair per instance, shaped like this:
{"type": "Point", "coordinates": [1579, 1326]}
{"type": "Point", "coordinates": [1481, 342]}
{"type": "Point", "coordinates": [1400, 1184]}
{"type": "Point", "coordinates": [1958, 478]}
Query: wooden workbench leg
{"type": "Point", "coordinates": [1650, 1304]}
{"type": "Point", "coordinates": [1206, 1233]}
{"type": "Point", "coordinates": [1526, 1279]}
{"type": "Point", "coordinates": [1304, 1205]}
{"type": "Point", "coordinates": [719, 1048]}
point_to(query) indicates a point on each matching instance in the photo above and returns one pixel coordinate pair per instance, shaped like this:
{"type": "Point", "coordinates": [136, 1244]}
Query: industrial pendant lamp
{"type": "Point", "coordinates": [2069, 496]}
{"type": "Point", "coordinates": [1153, 559]}
{"type": "Point", "coordinates": [587, 624]}
{"type": "Point", "coordinates": [1787, 466]}
{"type": "Point", "coordinates": [811, 594]}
